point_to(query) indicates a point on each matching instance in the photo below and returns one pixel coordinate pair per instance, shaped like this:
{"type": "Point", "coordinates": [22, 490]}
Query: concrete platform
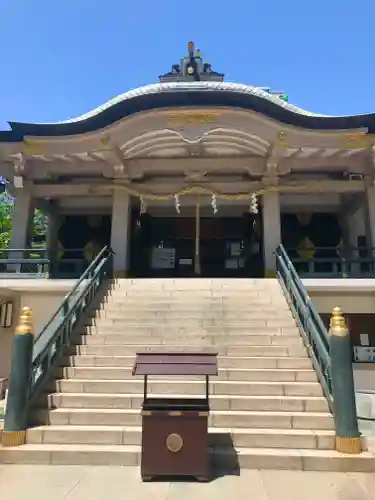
{"type": "Point", "coordinates": [339, 284]}
{"type": "Point", "coordinates": [36, 285]}
{"type": "Point", "coordinates": [100, 483]}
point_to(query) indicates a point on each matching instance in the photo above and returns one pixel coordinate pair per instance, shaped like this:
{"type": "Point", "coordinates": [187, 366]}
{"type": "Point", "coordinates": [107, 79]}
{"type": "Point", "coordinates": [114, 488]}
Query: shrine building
{"type": "Point", "coordinates": [197, 176]}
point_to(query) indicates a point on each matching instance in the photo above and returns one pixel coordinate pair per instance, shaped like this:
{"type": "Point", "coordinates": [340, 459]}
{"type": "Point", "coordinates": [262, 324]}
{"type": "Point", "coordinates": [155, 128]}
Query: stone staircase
{"type": "Point", "coordinates": [268, 407]}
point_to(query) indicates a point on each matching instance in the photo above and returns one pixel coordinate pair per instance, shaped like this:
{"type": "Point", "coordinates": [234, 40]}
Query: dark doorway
{"type": "Point", "coordinates": [228, 246]}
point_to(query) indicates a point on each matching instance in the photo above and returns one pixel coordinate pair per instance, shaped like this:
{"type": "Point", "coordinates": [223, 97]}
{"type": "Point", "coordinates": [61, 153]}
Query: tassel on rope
{"type": "Point", "coordinates": [254, 209]}
{"type": "Point", "coordinates": [177, 203]}
{"type": "Point", "coordinates": [143, 207]}
{"type": "Point", "coordinates": [214, 203]}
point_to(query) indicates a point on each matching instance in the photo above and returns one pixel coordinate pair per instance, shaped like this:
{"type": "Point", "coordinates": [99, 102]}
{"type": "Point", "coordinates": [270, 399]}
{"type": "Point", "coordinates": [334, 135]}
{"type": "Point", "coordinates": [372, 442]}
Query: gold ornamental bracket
{"type": "Point", "coordinates": [33, 148]}
{"type": "Point", "coordinates": [114, 157]}
{"type": "Point", "coordinates": [275, 155]}
{"type": "Point", "coordinates": [358, 140]}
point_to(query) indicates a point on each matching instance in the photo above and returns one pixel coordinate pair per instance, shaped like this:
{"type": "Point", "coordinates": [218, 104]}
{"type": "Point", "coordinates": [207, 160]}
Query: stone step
{"type": "Point", "coordinates": [217, 402]}
{"type": "Point", "coordinates": [234, 374]}
{"type": "Point", "coordinates": [119, 435]}
{"type": "Point", "coordinates": [189, 284]}
{"type": "Point", "coordinates": [214, 304]}
{"type": "Point", "coordinates": [216, 324]}
{"type": "Point", "coordinates": [146, 337]}
{"type": "Point", "coordinates": [198, 314]}
{"type": "Point", "coordinates": [194, 292]}
{"type": "Point", "coordinates": [175, 386]}
{"type": "Point", "coordinates": [190, 328]}
{"type": "Point", "coordinates": [228, 419]}
{"type": "Point", "coordinates": [223, 361]}
{"type": "Point", "coordinates": [224, 459]}
{"type": "Point", "coordinates": [201, 283]}
{"type": "Point", "coordinates": [185, 302]}
{"type": "Point", "coordinates": [190, 332]}
{"type": "Point", "coordinates": [287, 352]}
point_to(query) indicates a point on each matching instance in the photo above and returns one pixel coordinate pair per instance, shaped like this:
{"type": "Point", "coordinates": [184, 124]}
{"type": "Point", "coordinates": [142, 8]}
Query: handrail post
{"type": "Point", "coordinates": [348, 437]}
{"type": "Point", "coordinates": [15, 421]}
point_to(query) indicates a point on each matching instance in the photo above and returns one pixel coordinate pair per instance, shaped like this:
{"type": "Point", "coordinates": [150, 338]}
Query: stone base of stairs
{"type": "Point", "coordinates": [268, 408]}
{"type": "Point", "coordinates": [224, 460]}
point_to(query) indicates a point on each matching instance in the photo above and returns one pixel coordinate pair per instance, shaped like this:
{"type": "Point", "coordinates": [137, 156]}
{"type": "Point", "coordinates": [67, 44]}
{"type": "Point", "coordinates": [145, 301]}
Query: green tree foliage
{"type": "Point", "coordinates": [5, 219]}
{"type": "Point", "coordinates": [39, 227]}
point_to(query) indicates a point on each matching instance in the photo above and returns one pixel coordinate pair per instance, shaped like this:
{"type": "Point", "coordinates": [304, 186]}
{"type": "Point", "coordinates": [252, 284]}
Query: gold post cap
{"type": "Point", "coordinates": [25, 323]}
{"type": "Point", "coordinates": [337, 324]}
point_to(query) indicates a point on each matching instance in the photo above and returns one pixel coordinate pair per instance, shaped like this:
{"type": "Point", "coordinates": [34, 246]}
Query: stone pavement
{"type": "Point", "coordinates": [36, 482]}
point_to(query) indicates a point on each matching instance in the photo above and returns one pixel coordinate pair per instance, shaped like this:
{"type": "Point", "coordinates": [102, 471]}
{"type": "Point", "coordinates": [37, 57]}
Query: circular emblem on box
{"type": "Point", "coordinates": [174, 443]}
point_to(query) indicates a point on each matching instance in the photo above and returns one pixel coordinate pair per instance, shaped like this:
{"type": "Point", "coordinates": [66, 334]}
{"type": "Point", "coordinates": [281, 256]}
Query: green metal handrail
{"type": "Point", "coordinates": [31, 262]}
{"type": "Point", "coordinates": [332, 262]}
{"type": "Point", "coordinates": [313, 331]}
{"type": "Point", "coordinates": [57, 333]}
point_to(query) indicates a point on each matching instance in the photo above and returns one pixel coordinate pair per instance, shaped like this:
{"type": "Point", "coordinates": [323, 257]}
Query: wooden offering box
{"type": "Point", "coordinates": [175, 429]}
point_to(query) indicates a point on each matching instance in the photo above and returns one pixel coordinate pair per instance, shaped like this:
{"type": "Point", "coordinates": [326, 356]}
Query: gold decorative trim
{"type": "Point", "coordinates": [174, 414]}
{"type": "Point", "coordinates": [174, 443]}
{"type": "Point", "coordinates": [31, 148]}
{"type": "Point", "coordinates": [202, 190]}
{"type": "Point", "coordinates": [13, 438]}
{"type": "Point", "coordinates": [146, 414]}
{"type": "Point", "coordinates": [120, 273]}
{"type": "Point", "coordinates": [270, 273]}
{"type": "Point", "coordinates": [349, 445]}
{"type": "Point", "coordinates": [203, 414]}
{"type": "Point", "coordinates": [192, 117]}
{"type": "Point", "coordinates": [357, 140]}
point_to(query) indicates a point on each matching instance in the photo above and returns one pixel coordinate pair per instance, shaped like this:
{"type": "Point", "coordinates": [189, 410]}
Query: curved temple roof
{"type": "Point", "coordinates": [194, 93]}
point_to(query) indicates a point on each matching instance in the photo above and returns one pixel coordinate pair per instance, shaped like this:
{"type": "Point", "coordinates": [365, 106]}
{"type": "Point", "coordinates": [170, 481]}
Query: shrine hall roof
{"type": "Point", "coordinates": [182, 94]}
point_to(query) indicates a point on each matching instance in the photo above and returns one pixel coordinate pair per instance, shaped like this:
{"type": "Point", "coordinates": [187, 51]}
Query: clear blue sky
{"type": "Point", "coordinates": [61, 58]}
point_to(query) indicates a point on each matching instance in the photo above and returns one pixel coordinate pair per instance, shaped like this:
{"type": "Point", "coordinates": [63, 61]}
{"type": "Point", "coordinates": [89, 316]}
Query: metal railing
{"type": "Point", "coordinates": [72, 264]}
{"type": "Point", "coordinates": [35, 357]}
{"type": "Point", "coordinates": [331, 354]}
{"type": "Point", "coordinates": [331, 262]}
{"type": "Point", "coordinates": [41, 263]}
{"type": "Point", "coordinates": [57, 333]}
{"type": "Point", "coordinates": [24, 263]}
{"type": "Point", "coordinates": [313, 331]}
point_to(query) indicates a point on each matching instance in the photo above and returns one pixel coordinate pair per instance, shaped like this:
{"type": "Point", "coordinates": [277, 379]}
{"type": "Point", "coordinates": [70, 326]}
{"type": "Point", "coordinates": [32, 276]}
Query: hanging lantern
{"type": "Point", "coordinates": [214, 203]}
{"type": "Point", "coordinates": [254, 204]}
{"type": "Point", "coordinates": [177, 203]}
